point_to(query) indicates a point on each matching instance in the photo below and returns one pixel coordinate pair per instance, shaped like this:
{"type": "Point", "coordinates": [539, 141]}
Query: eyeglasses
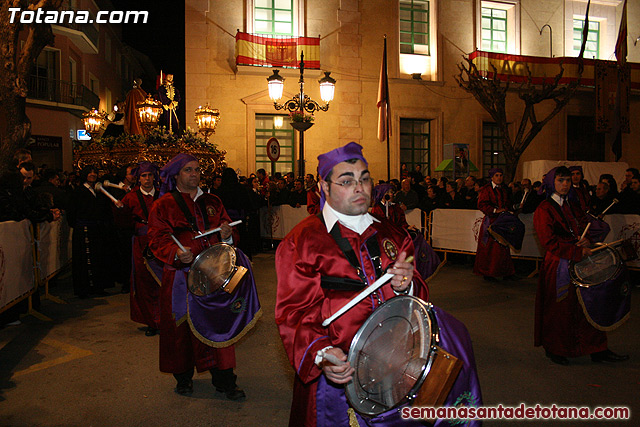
{"type": "Point", "coordinates": [350, 183]}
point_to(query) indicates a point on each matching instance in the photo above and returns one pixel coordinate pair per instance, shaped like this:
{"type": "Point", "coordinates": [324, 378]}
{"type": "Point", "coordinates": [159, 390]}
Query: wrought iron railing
{"type": "Point", "coordinates": [61, 91]}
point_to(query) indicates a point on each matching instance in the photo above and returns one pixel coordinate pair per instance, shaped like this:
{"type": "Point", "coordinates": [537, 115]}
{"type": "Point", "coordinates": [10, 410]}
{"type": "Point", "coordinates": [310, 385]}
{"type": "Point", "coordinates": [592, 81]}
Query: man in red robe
{"type": "Point", "coordinates": [145, 290]}
{"type": "Point", "coordinates": [493, 259]}
{"type": "Point", "coordinates": [560, 324]}
{"type": "Point", "coordinates": [580, 187]}
{"type": "Point", "coordinates": [180, 349]}
{"type": "Point", "coordinates": [315, 278]}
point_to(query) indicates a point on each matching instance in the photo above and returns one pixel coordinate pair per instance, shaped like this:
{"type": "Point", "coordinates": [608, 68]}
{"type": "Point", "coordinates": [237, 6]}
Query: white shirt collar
{"type": "Point", "coordinates": [86, 184]}
{"type": "Point", "coordinates": [559, 199]}
{"type": "Point", "coordinates": [494, 184]}
{"type": "Point", "coordinates": [150, 193]}
{"type": "Point", "coordinates": [357, 223]}
{"type": "Point", "coordinates": [198, 193]}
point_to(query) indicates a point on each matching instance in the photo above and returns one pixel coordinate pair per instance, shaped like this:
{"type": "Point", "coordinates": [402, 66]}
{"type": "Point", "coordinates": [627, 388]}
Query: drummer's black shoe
{"type": "Point", "coordinates": [560, 360]}
{"type": "Point", "coordinates": [184, 388]}
{"type": "Point", "coordinates": [151, 331]}
{"type": "Point", "coordinates": [224, 380]}
{"type": "Point", "coordinates": [608, 356]}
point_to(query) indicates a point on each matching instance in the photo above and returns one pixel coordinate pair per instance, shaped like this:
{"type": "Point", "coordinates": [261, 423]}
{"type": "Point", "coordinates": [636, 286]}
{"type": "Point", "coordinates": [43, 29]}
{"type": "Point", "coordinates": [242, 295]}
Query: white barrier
{"type": "Point", "coordinates": [458, 229]}
{"type": "Point", "coordinates": [277, 221]}
{"type": "Point", "coordinates": [54, 247]}
{"type": "Point", "coordinates": [16, 261]}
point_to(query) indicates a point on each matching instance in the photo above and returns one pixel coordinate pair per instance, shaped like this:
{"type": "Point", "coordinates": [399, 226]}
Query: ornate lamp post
{"type": "Point", "coordinates": [149, 113]}
{"type": "Point", "coordinates": [207, 119]}
{"type": "Point", "coordinates": [93, 120]}
{"type": "Point", "coordinates": [301, 104]}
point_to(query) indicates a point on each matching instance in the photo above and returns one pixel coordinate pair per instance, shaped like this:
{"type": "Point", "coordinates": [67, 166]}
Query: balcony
{"type": "Point", "coordinates": [84, 36]}
{"type": "Point", "coordinates": [62, 92]}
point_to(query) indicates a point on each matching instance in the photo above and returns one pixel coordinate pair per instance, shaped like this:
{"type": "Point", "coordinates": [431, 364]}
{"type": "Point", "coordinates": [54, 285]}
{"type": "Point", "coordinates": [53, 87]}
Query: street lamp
{"type": "Point", "coordinates": [149, 112]}
{"type": "Point", "coordinates": [301, 104]}
{"type": "Point", "coordinates": [207, 119]}
{"type": "Point", "coordinates": [93, 120]}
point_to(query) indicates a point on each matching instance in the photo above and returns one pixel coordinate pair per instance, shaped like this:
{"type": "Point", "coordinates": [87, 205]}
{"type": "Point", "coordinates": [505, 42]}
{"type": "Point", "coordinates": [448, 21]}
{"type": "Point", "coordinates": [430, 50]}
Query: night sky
{"type": "Point", "coordinates": [161, 38]}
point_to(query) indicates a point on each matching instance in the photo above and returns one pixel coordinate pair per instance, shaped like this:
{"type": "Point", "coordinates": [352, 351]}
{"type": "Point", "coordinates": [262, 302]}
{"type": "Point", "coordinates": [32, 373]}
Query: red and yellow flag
{"type": "Point", "coordinates": [284, 52]}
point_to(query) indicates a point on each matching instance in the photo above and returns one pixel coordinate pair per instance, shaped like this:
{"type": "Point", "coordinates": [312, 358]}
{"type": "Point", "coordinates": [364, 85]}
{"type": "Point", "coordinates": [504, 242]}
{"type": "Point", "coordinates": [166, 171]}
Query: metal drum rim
{"type": "Point", "coordinates": [576, 281]}
{"type": "Point", "coordinates": [201, 255]}
{"type": "Point", "coordinates": [434, 340]}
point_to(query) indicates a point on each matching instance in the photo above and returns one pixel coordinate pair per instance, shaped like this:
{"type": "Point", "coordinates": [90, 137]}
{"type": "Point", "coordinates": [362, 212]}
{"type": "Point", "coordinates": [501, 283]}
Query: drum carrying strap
{"type": "Point", "coordinates": [143, 205]}
{"type": "Point", "coordinates": [187, 213]}
{"type": "Point", "coordinates": [345, 284]}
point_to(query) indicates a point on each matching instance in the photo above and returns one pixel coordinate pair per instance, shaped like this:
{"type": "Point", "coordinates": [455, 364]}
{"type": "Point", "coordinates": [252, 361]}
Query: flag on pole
{"type": "Point", "coordinates": [383, 98]}
{"type": "Point", "coordinates": [585, 35]}
{"type": "Point", "coordinates": [621, 43]}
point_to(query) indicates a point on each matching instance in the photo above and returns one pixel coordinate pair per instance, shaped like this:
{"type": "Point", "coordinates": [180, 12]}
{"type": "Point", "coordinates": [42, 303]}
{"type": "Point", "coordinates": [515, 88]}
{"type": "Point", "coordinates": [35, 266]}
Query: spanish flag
{"type": "Point", "coordinates": [283, 52]}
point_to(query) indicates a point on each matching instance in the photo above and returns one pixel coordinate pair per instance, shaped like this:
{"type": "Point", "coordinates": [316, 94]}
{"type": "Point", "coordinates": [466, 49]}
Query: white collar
{"type": "Point", "coordinates": [86, 184]}
{"type": "Point", "coordinates": [150, 193]}
{"type": "Point", "coordinates": [357, 223]}
{"type": "Point", "coordinates": [495, 185]}
{"type": "Point", "coordinates": [198, 193]}
{"type": "Point", "coordinates": [559, 199]}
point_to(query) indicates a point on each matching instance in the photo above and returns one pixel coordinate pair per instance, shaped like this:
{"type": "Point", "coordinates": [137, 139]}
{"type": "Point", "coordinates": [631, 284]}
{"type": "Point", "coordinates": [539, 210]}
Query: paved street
{"type": "Point", "coordinates": [92, 366]}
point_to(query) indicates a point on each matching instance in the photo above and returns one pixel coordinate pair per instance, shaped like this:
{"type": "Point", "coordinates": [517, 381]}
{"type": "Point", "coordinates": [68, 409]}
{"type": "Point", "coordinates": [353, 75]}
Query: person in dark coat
{"type": "Point", "coordinates": [236, 200]}
{"type": "Point", "coordinates": [90, 217]}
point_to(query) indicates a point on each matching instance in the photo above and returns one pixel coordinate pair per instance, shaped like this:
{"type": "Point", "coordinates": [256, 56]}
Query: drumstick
{"type": "Point", "coordinates": [106, 193]}
{"type": "Point", "coordinates": [182, 248]}
{"type": "Point", "coordinates": [215, 230]}
{"type": "Point", "coordinates": [612, 203]}
{"type": "Point", "coordinates": [606, 245]}
{"type": "Point", "coordinates": [330, 358]}
{"type": "Point", "coordinates": [362, 295]}
{"type": "Point", "coordinates": [584, 233]}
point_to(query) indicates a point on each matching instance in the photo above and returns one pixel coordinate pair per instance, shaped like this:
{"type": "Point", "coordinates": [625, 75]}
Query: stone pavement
{"type": "Point", "coordinates": [92, 366]}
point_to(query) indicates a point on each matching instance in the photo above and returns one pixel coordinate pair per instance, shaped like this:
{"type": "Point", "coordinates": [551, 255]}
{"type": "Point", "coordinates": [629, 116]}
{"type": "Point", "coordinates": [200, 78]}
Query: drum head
{"type": "Point", "coordinates": [212, 269]}
{"type": "Point", "coordinates": [391, 353]}
{"type": "Point", "coordinates": [597, 268]}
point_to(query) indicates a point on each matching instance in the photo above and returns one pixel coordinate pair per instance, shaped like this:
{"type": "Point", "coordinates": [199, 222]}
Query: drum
{"type": "Point", "coordinates": [508, 230]}
{"type": "Point", "coordinates": [215, 268]}
{"type": "Point", "coordinates": [603, 288]}
{"type": "Point", "coordinates": [396, 358]}
{"type": "Point", "coordinates": [603, 265]}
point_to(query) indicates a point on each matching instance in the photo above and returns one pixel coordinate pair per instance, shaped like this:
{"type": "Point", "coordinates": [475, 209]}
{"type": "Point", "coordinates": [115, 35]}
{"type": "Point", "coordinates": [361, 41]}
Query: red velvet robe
{"type": "Point", "coordinates": [307, 253]}
{"type": "Point", "coordinates": [396, 214]}
{"type": "Point", "coordinates": [492, 259]}
{"type": "Point", "coordinates": [560, 326]}
{"type": "Point", "coordinates": [145, 291]}
{"type": "Point", "coordinates": [313, 201]}
{"type": "Point", "coordinates": [180, 350]}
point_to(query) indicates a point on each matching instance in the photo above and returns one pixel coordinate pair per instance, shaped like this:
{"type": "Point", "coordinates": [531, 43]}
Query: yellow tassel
{"type": "Point", "coordinates": [353, 421]}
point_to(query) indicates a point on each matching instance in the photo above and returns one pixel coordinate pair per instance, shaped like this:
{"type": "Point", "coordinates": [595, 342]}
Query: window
{"type": "Point", "coordinates": [415, 144]}
{"type": "Point", "coordinates": [592, 47]}
{"type": "Point", "coordinates": [274, 17]}
{"type": "Point", "coordinates": [274, 126]}
{"type": "Point", "coordinates": [498, 26]}
{"type": "Point", "coordinates": [492, 151]}
{"type": "Point", "coordinates": [414, 27]}
{"type": "Point", "coordinates": [494, 30]}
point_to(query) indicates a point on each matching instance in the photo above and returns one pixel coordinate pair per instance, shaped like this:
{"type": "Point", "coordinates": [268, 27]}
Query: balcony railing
{"type": "Point", "coordinates": [64, 92]}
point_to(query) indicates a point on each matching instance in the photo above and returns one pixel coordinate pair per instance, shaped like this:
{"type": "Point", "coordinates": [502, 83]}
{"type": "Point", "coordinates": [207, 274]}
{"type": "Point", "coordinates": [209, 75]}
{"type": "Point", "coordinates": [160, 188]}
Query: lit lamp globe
{"type": "Point", "coordinates": [327, 87]}
{"type": "Point", "coordinates": [149, 112]}
{"type": "Point", "coordinates": [93, 120]}
{"type": "Point", "coordinates": [207, 119]}
{"type": "Point", "coordinates": [276, 85]}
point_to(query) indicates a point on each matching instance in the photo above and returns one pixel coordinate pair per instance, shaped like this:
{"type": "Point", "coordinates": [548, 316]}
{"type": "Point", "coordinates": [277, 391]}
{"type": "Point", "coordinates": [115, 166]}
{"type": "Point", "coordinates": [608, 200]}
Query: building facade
{"type": "Point", "coordinates": [86, 67]}
{"type": "Point", "coordinates": [426, 40]}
